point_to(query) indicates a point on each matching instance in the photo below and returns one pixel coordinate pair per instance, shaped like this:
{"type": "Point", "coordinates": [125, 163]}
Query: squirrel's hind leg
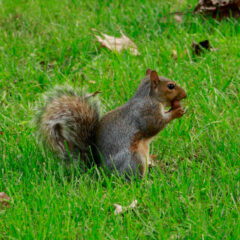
{"type": "Point", "coordinates": [131, 163]}
{"type": "Point", "coordinates": [139, 163]}
{"type": "Point", "coordinates": [123, 163]}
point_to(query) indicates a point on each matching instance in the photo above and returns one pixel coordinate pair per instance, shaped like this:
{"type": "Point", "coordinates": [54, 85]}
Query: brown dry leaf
{"type": "Point", "coordinates": [151, 162]}
{"type": "Point", "coordinates": [199, 48]}
{"type": "Point", "coordinates": [117, 44]}
{"type": "Point", "coordinates": [174, 55]}
{"type": "Point", "coordinates": [219, 8]}
{"type": "Point", "coordinates": [48, 65]}
{"type": "Point", "coordinates": [178, 17]}
{"type": "Point", "coordinates": [173, 17]}
{"type": "Point", "coordinates": [92, 81]}
{"type": "Point", "coordinates": [133, 204]}
{"type": "Point", "coordinates": [4, 200]}
{"type": "Point", "coordinates": [120, 209]}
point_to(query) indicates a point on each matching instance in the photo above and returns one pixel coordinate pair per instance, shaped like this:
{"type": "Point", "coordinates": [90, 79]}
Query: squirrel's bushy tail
{"type": "Point", "coordinates": [66, 121]}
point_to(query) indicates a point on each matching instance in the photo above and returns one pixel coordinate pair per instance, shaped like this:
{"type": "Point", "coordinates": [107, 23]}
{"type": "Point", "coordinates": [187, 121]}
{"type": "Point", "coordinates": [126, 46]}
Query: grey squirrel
{"type": "Point", "coordinates": [71, 124]}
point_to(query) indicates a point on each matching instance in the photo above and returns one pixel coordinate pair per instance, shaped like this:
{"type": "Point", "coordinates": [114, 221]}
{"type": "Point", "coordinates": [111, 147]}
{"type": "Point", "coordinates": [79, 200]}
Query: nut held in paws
{"type": "Point", "coordinates": [176, 104]}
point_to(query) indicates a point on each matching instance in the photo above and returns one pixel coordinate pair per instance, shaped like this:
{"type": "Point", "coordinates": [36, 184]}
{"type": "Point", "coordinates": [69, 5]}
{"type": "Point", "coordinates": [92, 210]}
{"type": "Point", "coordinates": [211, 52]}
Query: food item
{"type": "Point", "coordinates": [176, 104]}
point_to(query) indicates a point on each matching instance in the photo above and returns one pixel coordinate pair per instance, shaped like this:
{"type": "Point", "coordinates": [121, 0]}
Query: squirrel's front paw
{"type": "Point", "coordinates": [179, 112]}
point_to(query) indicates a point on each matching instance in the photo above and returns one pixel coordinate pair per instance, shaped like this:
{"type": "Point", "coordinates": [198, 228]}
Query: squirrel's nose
{"type": "Point", "coordinates": [184, 95]}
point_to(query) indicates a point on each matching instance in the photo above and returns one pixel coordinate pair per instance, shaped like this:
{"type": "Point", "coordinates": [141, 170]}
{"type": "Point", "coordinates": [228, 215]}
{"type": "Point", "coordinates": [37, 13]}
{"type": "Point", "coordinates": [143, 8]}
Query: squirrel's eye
{"type": "Point", "coordinates": [171, 86]}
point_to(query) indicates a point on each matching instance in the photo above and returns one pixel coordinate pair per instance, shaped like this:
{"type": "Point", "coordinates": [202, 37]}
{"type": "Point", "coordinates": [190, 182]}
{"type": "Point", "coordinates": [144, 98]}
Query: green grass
{"type": "Point", "coordinates": [193, 194]}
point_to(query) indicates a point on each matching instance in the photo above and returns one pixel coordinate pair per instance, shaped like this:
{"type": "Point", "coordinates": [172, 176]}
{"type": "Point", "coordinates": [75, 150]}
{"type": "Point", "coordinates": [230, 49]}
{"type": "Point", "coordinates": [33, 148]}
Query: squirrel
{"type": "Point", "coordinates": [72, 126]}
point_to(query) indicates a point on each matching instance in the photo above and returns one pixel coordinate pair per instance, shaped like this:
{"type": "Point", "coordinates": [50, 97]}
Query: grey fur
{"type": "Point", "coordinates": [114, 138]}
{"type": "Point", "coordinates": [120, 139]}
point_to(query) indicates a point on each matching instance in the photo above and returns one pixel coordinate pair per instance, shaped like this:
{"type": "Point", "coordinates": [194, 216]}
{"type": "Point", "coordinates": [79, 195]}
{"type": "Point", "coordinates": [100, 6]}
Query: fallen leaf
{"type": "Point", "coordinates": [173, 17]}
{"type": "Point", "coordinates": [120, 209]}
{"type": "Point", "coordinates": [174, 55]}
{"type": "Point", "coordinates": [151, 162]}
{"type": "Point", "coordinates": [133, 204]}
{"type": "Point", "coordinates": [4, 94]}
{"type": "Point", "coordinates": [92, 81]}
{"type": "Point", "coordinates": [117, 44]}
{"type": "Point", "coordinates": [154, 156]}
{"type": "Point", "coordinates": [218, 9]}
{"type": "Point", "coordinates": [4, 200]}
{"type": "Point", "coordinates": [199, 48]}
{"type": "Point", "coordinates": [178, 17]}
{"type": "Point", "coordinates": [48, 65]}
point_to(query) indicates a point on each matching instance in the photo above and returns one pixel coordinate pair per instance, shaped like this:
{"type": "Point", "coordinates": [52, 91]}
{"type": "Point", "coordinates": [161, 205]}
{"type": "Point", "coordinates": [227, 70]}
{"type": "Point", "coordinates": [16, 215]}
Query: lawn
{"type": "Point", "coordinates": [193, 193]}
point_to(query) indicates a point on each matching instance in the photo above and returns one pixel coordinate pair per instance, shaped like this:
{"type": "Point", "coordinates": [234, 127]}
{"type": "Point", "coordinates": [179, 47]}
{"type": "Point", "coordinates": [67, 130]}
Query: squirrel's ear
{"type": "Point", "coordinates": [148, 71]}
{"type": "Point", "coordinates": [154, 79]}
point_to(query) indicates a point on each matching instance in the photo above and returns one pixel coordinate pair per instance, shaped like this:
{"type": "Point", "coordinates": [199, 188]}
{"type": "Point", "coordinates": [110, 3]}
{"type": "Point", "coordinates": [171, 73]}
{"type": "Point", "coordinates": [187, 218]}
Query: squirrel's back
{"type": "Point", "coordinates": [67, 122]}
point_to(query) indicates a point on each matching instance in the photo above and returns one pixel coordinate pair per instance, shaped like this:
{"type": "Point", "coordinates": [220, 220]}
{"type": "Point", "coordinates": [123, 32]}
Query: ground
{"type": "Point", "coordinates": [193, 193]}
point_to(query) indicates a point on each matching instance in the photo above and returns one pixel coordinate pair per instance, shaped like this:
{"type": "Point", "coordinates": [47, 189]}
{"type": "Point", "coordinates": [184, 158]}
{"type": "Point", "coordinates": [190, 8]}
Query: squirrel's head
{"type": "Point", "coordinates": [164, 90]}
